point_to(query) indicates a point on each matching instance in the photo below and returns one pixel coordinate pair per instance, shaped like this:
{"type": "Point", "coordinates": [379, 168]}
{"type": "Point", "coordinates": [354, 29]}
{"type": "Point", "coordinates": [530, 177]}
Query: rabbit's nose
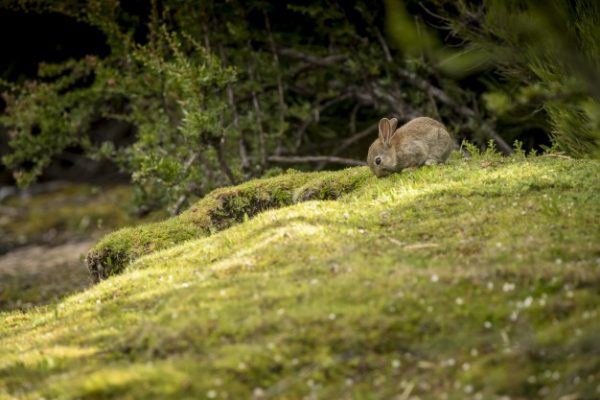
{"type": "Point", "coordinates": [378, 160]}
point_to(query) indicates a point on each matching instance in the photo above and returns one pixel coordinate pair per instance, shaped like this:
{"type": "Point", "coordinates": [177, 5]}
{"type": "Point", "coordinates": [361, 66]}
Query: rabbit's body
{"type": "Point", "coordinates": [421, 141]}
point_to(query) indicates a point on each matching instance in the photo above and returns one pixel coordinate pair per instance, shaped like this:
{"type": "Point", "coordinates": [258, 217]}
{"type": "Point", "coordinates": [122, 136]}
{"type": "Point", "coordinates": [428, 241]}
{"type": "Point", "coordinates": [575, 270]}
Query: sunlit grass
{"type": "Point", "coordinates": [474, 279]}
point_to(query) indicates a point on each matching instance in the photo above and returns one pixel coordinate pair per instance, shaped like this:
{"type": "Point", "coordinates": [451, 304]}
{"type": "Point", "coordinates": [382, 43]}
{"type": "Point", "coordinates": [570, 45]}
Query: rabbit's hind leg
{"type": "Point", "coordinates": [431, 161]}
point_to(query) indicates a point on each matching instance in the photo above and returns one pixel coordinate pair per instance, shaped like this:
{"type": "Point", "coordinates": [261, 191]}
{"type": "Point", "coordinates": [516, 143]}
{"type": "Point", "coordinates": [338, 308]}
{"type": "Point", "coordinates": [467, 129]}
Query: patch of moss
{"type": "Point", "coordinates": [466, 280]}
{"type": "Point", "coordinates": [220, 209]}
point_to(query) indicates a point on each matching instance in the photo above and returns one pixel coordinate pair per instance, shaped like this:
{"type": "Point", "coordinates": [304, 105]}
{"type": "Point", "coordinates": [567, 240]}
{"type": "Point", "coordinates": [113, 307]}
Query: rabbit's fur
{"type": "Point", "coordinates": [421, 141]}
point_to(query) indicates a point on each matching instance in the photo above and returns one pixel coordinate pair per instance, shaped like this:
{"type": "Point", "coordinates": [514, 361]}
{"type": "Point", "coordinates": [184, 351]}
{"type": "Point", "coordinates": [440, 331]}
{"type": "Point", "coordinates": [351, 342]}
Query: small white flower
{"type": "Point", "coordinates": [542, 302]}
{"type": "Point", "coordinates": [487, 324]}
{"type": "Point", "coordinates": [332, 316]}
{"type": "Point", "coordinates": [396, 364]}
{"type": "Point", "coordinates": [474, 352]}
{"type": "Point", "coordinates": [490, 285]}
{"type": "Point", "coordinates": [211, 394]}
{"type": "Point", "coordinates": [531, 379]}
{"type": "Point", "coordinates": [434, 278]}
{"type": "Point", "coordinates": [258, 392]}
{"type": "Point", "coordinates": [459, 301]}
{"type": "Point", "coordinates": [586, 315]}
{"type": "Point", "coordinates": [466, 366]}
{"type": "Point", "coordinates": [468, 389]}
{"type": "Point", "coordinates": [508, 287]}
{"type": "Point", "coordinates": [514, 316]}
{"type": "Point", "coordinates": [527, 302]}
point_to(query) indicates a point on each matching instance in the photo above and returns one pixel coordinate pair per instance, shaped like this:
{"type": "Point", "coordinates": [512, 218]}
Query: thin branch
{"type": "Point", "coordinates": [220, 148]}
{"type": "Point", "coordinates": [355, 138]}
{"type": "Point", "coordinates": [205, 36]}
{"type": "Point", "coordinates": [316, 110]}
{"type": "Point", "coordinates": [280, 90]}
{"type": "Point", "coordinates": [186, 167]}
{"type": "Point", "coordinates": [334, 59]}
{"type": "Point", "coordinates": [242, 141]}
{"type": "Point", "coordinates": [383, 44]}
{"type": "Point", "coordinates": [351, 140]}
{"type": "Point", "coordinates": [261, 133]}
{"type": "Point", "coordinates": [259, 121]}
{"type": "Point", "coordinates": [353, 113]}
{"type": "Point", "coordinates": [318, 159]}
{"type": "Point", "coordinates": [245, 162]}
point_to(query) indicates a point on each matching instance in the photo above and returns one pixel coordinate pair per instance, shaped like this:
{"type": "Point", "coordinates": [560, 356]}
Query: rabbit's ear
{"type": "Point", "coordinates": [393, 124]}
{"type": "Point", "coordinates": [385, 130]}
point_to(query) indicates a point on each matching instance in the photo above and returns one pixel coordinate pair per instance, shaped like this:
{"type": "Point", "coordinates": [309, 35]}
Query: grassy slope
{"type": "Point", "coordinates": [478, 278]}
{"type": "Point", "coordinates": [218, 210]}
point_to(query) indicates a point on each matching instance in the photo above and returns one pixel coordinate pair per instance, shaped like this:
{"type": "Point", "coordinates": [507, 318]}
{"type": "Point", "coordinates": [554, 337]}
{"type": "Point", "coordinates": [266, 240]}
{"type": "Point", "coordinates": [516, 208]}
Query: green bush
{"type": "Point", "coordinates": [547, 55]}
{"type": "Point", "coordinates": [221, 93]}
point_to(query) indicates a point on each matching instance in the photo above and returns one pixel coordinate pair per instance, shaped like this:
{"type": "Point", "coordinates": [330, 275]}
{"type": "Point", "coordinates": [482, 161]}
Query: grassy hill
{"type": "Point", "coordinates": [476, 279]}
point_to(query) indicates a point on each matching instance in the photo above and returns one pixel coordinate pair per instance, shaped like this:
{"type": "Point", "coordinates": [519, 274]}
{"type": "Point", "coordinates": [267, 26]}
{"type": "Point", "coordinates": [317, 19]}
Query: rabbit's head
{"type": "Point", "coordinates": [382, 157]}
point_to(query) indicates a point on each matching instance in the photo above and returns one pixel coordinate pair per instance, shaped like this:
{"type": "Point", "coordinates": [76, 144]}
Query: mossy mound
{"type": "Point", "coordinates": [220, 209]}
{"type": "Point", "coordinates": [472, 280]}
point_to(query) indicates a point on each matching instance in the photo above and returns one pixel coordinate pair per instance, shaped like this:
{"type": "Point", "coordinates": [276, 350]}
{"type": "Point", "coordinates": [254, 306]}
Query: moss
{"type": "Point", "coordinates": [221, 209]}
{"type": "Point", "coordinates": [454, 281]}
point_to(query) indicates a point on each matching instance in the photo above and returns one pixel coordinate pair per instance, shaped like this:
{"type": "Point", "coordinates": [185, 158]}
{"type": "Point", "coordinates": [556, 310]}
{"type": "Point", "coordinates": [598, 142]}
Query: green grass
{"type": "Point", "coordinates": [475, 279]}
{"type": "Point", "coordinates": [218, 210]}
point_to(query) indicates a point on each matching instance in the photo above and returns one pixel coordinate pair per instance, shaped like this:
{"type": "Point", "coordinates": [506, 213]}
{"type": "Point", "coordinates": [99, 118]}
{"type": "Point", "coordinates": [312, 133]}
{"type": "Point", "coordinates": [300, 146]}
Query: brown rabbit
{"type": "Point", "coordinates": [421, 141]}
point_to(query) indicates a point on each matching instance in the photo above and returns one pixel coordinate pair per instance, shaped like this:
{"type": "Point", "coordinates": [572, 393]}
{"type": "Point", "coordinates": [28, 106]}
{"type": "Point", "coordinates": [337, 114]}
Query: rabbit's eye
{"type": "Point", "coordinates": [378, 160]}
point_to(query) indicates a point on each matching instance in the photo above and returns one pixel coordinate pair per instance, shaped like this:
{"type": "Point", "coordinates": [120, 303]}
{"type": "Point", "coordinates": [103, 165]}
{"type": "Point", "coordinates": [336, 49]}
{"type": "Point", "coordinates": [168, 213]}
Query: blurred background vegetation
{"type": "Point", "coordinates": [180, 97]}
